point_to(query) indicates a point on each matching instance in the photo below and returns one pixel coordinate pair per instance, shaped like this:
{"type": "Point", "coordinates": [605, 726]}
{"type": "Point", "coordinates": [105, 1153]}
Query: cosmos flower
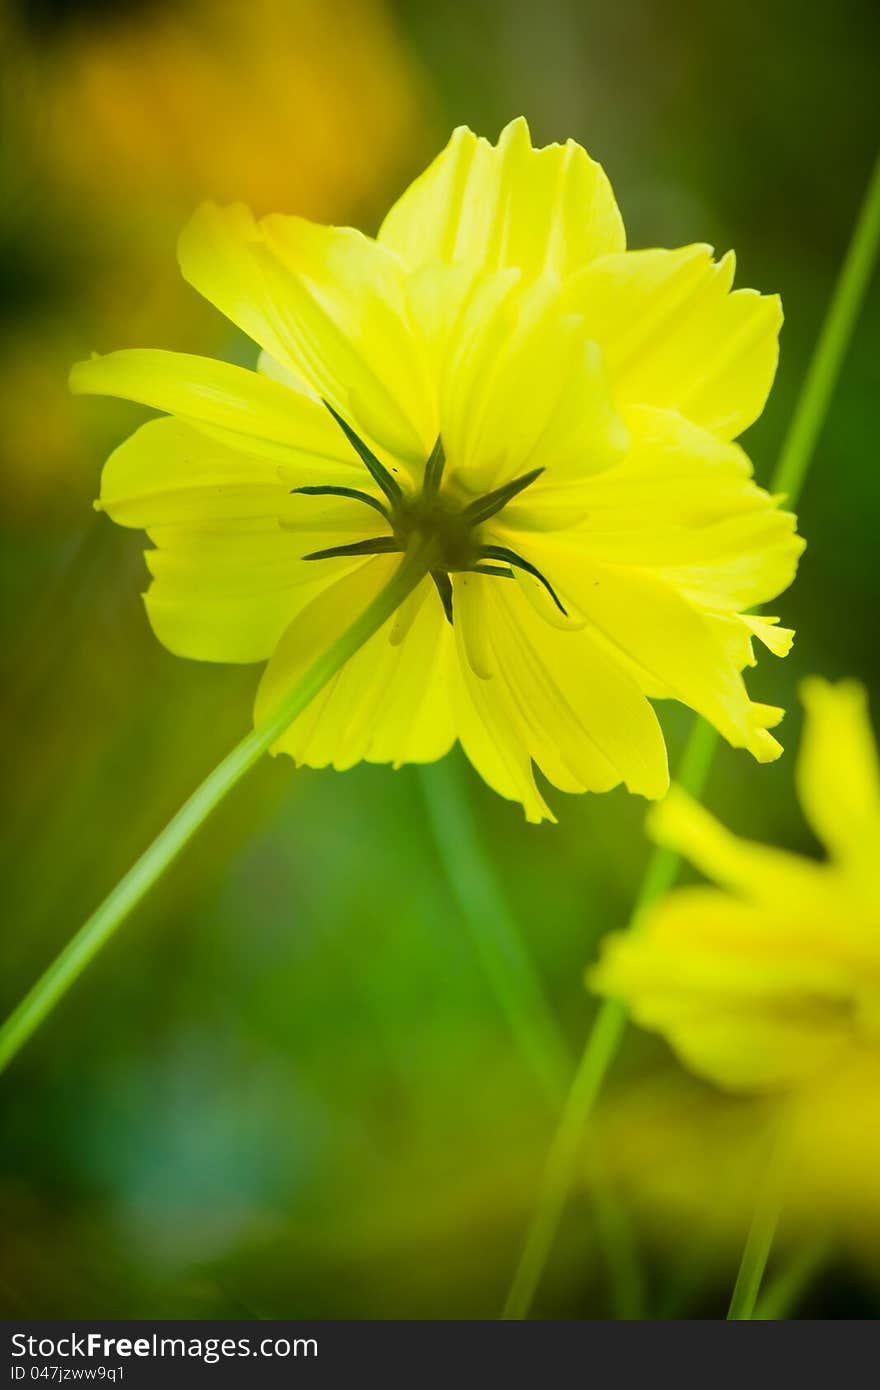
{"type": "Point", "coordinates": [496, 378]}
{"type": "Point", "coordinates": [773, 980]}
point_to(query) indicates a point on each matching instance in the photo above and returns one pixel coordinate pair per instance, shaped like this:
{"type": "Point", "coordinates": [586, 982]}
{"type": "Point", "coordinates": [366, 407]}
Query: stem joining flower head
{"type": "Point", "coordinates": [434, 515]}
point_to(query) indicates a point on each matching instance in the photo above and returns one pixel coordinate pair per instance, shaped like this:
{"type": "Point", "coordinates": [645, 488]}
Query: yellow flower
{"type": "Point", "coordinates": [774, 982]}
{"type": "Point", "coordinates": [553, 414]}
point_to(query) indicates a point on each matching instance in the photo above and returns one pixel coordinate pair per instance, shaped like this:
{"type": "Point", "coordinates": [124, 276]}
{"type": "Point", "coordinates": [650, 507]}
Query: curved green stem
{"type": "Point", "coordinates": [610, 1024]}
{"type": "Point", "coordinates": [82, 948]}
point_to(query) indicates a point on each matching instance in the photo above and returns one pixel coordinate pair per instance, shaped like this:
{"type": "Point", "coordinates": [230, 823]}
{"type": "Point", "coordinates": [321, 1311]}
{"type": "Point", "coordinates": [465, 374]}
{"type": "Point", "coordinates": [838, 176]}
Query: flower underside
{"type": "Point", "coordinates": [438, 518]}
{"type": "Point", "coordinates": [508, 393]}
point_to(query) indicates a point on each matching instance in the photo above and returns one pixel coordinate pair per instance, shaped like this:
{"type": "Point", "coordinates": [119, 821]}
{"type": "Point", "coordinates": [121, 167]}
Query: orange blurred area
{"type": "Point", "coordinates": [116, 129]}
{"type": "Point", "coordinates": [300, 106]}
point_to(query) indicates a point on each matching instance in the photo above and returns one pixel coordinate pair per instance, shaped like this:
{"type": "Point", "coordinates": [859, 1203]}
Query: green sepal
{"type": "Point", "coordinates": [379, 472]}
{"type": "Point", "coordinates": [510, 557]}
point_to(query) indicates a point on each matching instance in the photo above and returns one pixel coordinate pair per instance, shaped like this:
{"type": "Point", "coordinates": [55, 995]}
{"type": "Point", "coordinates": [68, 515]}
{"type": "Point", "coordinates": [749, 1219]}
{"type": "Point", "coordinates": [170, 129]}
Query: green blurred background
{"type": "Point", "coordinates": [286, 1089]}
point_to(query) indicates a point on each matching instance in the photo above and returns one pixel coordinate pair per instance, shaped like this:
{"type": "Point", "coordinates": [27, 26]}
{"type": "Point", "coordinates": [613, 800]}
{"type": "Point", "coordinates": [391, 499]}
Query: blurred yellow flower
{"type": "Point", "coordinates": [691, 1156]}
{"type": "Point", "coordinates": [553, 415]}
{"type": "Point", "coordinates": [279, 102]}
{"type": "Point", "coordinates": [775, 982]}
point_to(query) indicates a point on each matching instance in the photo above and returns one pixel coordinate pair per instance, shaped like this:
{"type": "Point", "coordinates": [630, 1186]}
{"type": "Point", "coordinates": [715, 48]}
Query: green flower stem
{"type": "Point", "coordinates": [610, 1024]}
{"type": "Point", "coordinates": [824, 369]}
{"type": "Point", "coordinates": [754, 1261]}
{"type": "Point", "coordinates": [618, 1243]}
{"type": "Point", "coordinates": [82, 948]}
{"type": "Point", "coordinates": [518, 989]}
{"type": "Point", "coordinates": [762, 1230]}
{"type": "Point", "coordinates": [510, 971]}
{"type": "Point", "coordinates": [782, 1293]}
{"type": "Point", "coordinates": [601, 1048]}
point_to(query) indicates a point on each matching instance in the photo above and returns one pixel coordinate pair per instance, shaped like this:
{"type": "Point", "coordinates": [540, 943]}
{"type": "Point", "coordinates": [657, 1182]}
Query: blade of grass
{"type": "Point", "coordinates": [610, 1024]}
{"type": "Point", "coordinates": [762, 1228]}
{"type": "Point", "coordinates": [619, 1246]}
{"type": "Point", "coordinates": [519, 991]}
{"type": "Point", "coordinates": [474, 884]}
{"type": "Point", "coordinates": [792, 1281]}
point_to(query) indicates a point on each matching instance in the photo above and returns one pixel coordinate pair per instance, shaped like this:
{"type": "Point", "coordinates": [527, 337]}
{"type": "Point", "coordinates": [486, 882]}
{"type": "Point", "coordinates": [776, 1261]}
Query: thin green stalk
{"type": "Point", "coordinates": [84, 946]}
{"type": "Point", "coordinates": [762, 1230]}
{"type": "Point", "coordinates": [517, 987]}
{"type": "Point", "coordinates": [789, 1285]}
{"type": "Point", "coordinates": [610, 1024]}
{"type": "Point", "coordinates": [601, 1048]}
{"type": "Point", "coordinates": [508, 966]}
{"type": "Point", "coordinates": [824, 369]}
{"type": "Point", "coordinates": [754, 1261]}
{"type": "Point", "coordinates": [618, 1242]}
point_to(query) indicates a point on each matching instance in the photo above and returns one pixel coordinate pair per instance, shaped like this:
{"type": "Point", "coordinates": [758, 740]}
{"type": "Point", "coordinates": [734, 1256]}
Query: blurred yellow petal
{"type": "Point", "coordinates": [736, 999]}
{"type": "Point", "coordinates": [837, 772]}
{"type": "Point", "coordinates": [768, 987]}
{"type": "Point", "coordinates": [675, 337]}
{"type": "Point", "coordinates": [756, 871]}
{"type": "Point", "coordinates": [507, 205]}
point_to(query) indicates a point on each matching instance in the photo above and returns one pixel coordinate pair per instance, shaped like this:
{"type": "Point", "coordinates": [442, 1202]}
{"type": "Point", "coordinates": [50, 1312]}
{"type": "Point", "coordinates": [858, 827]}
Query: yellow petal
{"type": "Point", "coordinates": [469, 603]}
{"type": "Point", "coordinates": [523, 389]}
{"type": "Point", "coordinates": [490, 728]}
{"type": "Point", "coordinates": [242, 408]}
{"type": "Point", "coordinates": [576, 699]}
{"type": "Point", "coordinates": [777, 640]}
{"type": "Point", "coordinates": [389, 703]}
{"type": "Point", "coordinates": [227, 576]}
{"type": "Point", "coordinates": [167, 473]}
{"type": "Point", "coordinates": [436, 294]}
{"type": "Point", "coordinates": [682, 504]}
{"type": "Point", "coordinates": [227, 611]}
{"type": "Point", "coordinates": [673, 649]}
{"type": "Point", "coordinates": [507, 205]}
{"type": "Point", "coordinates": [329, 305]}
{"type": "Point", "coordinates": [216, 252]}
{"type": "Point", "coordinates": [530, 693]}
{"type": "Point", "coordinates": [837, 773]}
{"type": "Point", "coordinates": [675, 337]}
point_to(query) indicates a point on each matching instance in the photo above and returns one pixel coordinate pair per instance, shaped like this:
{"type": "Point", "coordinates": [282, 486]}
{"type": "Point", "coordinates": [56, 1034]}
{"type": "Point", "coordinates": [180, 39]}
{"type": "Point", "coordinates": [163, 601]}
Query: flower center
{"type": "Point", "coordinates": [450, 527]}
